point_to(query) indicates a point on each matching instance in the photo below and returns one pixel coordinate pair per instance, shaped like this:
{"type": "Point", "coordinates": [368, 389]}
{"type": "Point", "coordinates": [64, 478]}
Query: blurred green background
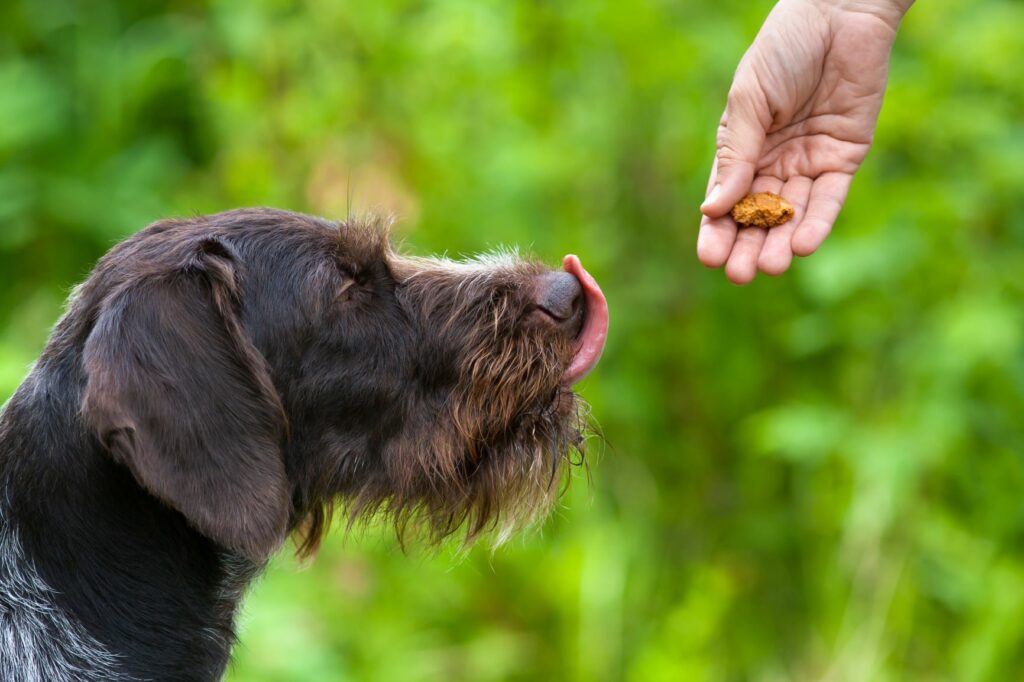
{"type": "Point", "coordinates": [817, 477]}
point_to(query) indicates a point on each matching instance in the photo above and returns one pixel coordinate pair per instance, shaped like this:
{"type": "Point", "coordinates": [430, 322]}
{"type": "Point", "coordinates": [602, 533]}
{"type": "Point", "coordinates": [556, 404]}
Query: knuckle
{"type": "Point", "coordinates": [751, 234]}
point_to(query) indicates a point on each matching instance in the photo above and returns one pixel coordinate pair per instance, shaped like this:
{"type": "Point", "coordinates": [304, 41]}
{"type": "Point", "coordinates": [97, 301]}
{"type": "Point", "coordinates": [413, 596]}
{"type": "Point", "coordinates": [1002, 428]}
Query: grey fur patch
{"type": "Point", "coordinates": [39, 642]}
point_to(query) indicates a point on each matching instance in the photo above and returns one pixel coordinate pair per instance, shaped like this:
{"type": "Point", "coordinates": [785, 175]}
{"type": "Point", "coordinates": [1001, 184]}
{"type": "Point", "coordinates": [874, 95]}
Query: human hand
{"type": "Point", "coordinates": [799, 121]}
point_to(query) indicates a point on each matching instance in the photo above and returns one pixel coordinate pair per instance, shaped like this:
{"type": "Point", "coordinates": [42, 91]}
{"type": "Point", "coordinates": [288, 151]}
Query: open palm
{"type": "Point", "coordinates": [800, 119]}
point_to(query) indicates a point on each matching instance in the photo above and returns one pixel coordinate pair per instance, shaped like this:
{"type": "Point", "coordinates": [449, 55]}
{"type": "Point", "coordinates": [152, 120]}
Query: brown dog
{"type": "Point", "coordinates": [220, 382]}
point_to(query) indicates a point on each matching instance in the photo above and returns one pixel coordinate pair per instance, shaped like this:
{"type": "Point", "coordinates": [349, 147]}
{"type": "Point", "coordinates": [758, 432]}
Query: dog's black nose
{"type": "Point", "coordinates": [560, 299]}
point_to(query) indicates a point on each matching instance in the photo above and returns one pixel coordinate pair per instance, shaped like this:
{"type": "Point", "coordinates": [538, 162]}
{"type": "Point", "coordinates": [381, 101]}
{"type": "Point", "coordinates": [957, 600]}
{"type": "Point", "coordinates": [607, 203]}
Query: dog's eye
{"type": "Point", "coordinates": [345, 292]}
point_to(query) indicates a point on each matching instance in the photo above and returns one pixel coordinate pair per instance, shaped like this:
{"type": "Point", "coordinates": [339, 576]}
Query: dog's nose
{"type": "Point", "coordinates": [560, 299]}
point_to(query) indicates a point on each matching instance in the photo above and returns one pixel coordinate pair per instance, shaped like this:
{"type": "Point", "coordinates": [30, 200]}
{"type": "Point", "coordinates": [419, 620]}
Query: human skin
{"type": "Point", "coordinates": [799, 120]}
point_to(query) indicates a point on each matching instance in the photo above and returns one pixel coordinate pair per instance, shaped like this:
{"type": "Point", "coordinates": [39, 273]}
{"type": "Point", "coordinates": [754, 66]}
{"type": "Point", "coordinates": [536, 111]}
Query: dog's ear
{"type": "Point", "coordinates": [178, 393]}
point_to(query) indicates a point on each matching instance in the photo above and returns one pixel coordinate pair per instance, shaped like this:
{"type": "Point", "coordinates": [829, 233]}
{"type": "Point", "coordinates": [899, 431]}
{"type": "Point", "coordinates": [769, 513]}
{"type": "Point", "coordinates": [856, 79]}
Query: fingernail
{"type": "Point", "coordinates": [715, 191]}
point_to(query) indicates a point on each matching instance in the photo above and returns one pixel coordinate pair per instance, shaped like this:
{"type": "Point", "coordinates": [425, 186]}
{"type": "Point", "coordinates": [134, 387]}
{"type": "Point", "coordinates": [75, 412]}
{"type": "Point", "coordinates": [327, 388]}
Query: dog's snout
{"type": "Point", "coordinates": [560, 298]}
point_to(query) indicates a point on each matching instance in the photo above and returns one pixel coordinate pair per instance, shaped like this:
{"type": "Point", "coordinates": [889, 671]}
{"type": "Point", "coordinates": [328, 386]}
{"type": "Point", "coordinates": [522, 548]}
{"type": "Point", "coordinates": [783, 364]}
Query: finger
{"type": "Point", "coordinates": [715, 240]}
{"type": "Point", "coordinates": [777, 253]}
{"type": "Point", "coordinates": [742, 265]}
{"type": "Point", "coordinates": [741, 136]}
{"type": "Point", "coordinates": [826, 200]}
{"type": "Point", "coordinates": [716, 236]}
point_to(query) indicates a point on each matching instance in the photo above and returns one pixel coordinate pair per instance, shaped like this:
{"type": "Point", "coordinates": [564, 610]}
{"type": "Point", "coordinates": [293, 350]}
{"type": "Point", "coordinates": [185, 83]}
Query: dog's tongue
{"type": "Point", "coordinates": [595, 323]}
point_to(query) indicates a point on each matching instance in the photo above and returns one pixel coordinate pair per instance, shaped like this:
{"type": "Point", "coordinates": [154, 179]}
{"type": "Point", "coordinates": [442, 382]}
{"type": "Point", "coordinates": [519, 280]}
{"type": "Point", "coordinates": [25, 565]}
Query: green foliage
{"type": "Point", "coordinates": [815, 477]}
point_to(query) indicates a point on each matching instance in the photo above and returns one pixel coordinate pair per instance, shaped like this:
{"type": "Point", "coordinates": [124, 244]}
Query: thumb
{"type": "Point", "coordinates": [740, 139]}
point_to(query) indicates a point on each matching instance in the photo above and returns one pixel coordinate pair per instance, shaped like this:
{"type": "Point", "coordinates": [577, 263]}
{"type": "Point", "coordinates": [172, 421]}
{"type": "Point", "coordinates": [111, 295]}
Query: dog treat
{"type": "Point", "coordinates": [764, 209]}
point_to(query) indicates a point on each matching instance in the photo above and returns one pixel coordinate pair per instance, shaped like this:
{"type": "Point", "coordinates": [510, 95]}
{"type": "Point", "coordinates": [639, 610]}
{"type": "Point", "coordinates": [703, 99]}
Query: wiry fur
{"type": "Point", "coordinates": [39, 641]}
{"type": "Point", "coordinates": [490, 455]}
{"type": "Point", "coordinates": [220, 382]}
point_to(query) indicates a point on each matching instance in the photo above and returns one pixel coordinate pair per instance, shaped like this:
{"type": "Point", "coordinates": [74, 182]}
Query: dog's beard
{"type": "Point", "coordinates": [490, 459]}
{"type": "Point", "coordinates": [489, 453]}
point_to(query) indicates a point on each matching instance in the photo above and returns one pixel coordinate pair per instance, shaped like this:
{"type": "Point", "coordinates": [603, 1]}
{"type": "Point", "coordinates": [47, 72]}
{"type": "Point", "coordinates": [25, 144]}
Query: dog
{"type": "Point", "coordinates": [219, 383]}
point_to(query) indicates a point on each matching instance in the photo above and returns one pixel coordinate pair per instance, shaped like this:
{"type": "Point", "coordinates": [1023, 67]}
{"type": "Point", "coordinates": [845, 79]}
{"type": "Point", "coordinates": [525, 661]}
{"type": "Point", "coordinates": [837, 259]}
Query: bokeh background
{"type": "Point", "coordinates": [816, 477]}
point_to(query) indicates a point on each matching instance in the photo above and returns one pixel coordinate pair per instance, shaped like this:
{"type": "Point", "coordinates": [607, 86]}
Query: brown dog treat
{"type": "Point", "coordinates": [764, 209]}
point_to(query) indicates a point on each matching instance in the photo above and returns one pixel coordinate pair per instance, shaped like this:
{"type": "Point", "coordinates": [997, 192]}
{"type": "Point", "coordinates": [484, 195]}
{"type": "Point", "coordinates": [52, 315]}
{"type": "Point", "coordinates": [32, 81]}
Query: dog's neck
{"type": "Point", "coordinates": [98, 579]}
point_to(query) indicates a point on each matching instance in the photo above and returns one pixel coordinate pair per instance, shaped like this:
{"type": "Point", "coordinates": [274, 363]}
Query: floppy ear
{"type": "Point", "coordinates": [178, 393]}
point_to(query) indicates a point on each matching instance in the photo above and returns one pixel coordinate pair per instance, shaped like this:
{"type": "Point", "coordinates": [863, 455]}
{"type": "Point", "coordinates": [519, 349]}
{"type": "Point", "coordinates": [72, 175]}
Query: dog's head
{"type": "Point", "coordinates": [251, 368]}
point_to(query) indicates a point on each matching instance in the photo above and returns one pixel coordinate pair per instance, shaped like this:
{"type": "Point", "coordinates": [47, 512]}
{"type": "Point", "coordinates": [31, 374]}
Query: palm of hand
{"type": "Point", "coordinates": [800, 120]}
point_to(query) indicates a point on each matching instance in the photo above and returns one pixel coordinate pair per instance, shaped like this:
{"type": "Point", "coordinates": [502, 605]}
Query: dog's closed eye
{"type": "Point", "coordinates": [346, 290]}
